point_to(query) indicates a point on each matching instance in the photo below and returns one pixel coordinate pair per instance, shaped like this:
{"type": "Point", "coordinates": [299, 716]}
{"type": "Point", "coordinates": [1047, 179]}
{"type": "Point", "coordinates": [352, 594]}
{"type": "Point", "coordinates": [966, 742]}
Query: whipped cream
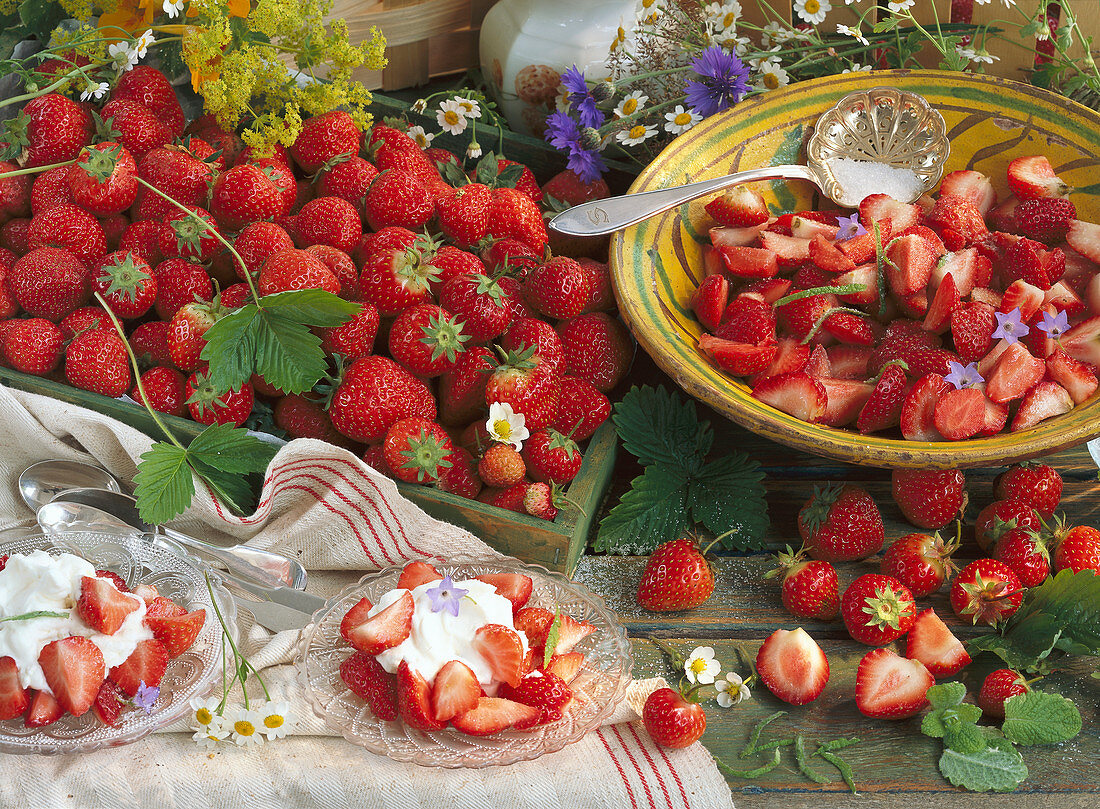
{"type": "Point", "coordinates": [40, 582]}
{"type": "Point", "coordinates": [439, 637]}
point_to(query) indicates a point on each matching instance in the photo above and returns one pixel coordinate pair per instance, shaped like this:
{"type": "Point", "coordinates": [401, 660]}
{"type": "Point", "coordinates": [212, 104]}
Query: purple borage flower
{"type": "Point", "coordinates": [1009, 328]}
{"type": "Point", "coordinates": [722, 81]}
{"type": "Point", "coordinates": [145, 697]}
{"type": "Point", "coordinates": [1055, 326]}
{"type": "Point", "coordinates": [849, 227]}
{"type": "Point", "coordinates": [963, 376]}
{"type": "Point", "coordinates": [581, 98]}
{"type": "Point", "coordinates": [445, 596]}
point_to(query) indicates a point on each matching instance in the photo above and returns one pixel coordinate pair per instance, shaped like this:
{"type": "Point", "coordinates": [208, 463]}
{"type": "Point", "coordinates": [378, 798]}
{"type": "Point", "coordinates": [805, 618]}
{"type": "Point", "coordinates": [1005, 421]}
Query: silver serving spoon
{"type": "Point", "coordinates": [884, 126]}
{"type": "Point", "coordinates": [41, 482]}
{"type": "Point", "coordinates": [265, 567]}
{"type": "Point", "coordinates": [281, 608]}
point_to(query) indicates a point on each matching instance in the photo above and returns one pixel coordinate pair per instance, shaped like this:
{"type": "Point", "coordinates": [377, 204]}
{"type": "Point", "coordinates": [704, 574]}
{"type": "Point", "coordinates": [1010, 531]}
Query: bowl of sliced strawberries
{"type": "Point", "coordinates": [960, 330]}
{"type": "Point", "coordinates": [473, 663]}
{"type": "Point", "coordinates": [104, 639]}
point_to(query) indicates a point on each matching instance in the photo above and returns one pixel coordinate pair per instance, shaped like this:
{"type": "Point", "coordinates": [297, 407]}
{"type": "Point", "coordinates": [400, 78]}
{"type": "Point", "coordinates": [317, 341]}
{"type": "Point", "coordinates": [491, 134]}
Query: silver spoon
{"type": "Point", "coordinates": [41, 482]}
{"type": "Point", "coordinates": [266, 567]}
{"type": "Point", "coordinates": [884, 125]}
{"type": "Point", "coordinates": [281, 608]}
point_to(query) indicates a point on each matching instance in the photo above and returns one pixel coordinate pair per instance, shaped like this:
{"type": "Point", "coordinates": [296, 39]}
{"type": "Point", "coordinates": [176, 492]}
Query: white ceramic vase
{"type": "Point", "coordinates": [527, 44]}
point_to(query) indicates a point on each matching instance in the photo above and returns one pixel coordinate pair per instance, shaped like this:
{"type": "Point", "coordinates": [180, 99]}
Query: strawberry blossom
{"type": "Point", "coordinates": [507, 426]}
{"type": "Point", "coordinates": [732, 690]}
{"type": "Point", "coordinates": [701, 667]}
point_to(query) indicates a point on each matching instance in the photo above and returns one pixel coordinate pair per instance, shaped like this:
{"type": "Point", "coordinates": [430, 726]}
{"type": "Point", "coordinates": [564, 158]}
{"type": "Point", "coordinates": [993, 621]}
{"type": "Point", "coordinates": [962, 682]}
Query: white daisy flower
{"type": "Point", "coordinates": [723, 17]}
{"type": "Point", "coordinates": [856, 68]}
{"type": "Point", "coordinates": [507, 426]}
{"type": "Point", "coordinates": [470, 107]}
{"type": "Point", "coordinates": [897, 6]}
{"type": "Point", "coordinates": [855, 33]}
{"type": "Point", "coordinates": [681, 120]}
{"type": "Point", "coordinates": [812, 11]}
{"type": "Point", "coordinates": [775, 33]}
{"type": "Point", "coordinates": [731, 690]}
{"type": "Point", "coordinates": [759, 62]}
{"type": "Point", "coordinates": [451, 117]}
{"type": "Point", "coordinates": [701, 667]}
{"type": "Point", "coordinates": [143, 42]}
{"type": "Point", "coordinates": [423, 139]}
{"type": "Point", "coordinates": [204, 713]}
{"type": "Point", "coordinates": [207, 738]}
{"type": "Point", "coordinates": [94, 90]}
{"type": "Point", "coordinates": [276, 719]}
{"type": "Point", "coordinates": [631, 104]}
{"type": "Point", "coordinates": [772, 77]}
{"type": "Point", "coordinates": [246, 726]}
{"type": "Point", "coordinates": [638, 133]}
{"type": "Point", "coordinates": [173, 8]}
{"type": "Point", "coordinates": [419, 105]}
{"type": "Point", "coordinates": [648, 12]}
{"type": "Point", "coordinates": [561, 100]}
{"type": "Point", "coordinates": [123, 57]}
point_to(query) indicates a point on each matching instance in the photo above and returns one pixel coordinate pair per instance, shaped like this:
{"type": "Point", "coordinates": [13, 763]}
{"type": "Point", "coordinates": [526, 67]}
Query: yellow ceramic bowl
{"type": "Point", "coordinates": [657, 264]}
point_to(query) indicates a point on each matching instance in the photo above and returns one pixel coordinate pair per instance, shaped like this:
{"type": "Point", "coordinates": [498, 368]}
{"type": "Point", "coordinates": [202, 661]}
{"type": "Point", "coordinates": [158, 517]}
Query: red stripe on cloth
{"type": "Point", "coordinates": [350, 522]}
{"type": "Point", "coordinates": [379, 541]}
{"type": "Point", "coordinates": [637, 769]}
{"type": "Point", "coordinates": [653, 764]}
{"type": "Point", "coordinates": [619, 767]}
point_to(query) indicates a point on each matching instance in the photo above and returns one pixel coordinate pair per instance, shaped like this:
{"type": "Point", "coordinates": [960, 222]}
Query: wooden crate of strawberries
{"type": "Point", "coordinates": [514, 310]}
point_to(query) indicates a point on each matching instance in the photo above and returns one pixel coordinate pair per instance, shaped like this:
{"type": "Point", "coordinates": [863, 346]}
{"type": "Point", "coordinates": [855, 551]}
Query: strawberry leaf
{"type": "Point", "coordinates": [231, 348]}
{"type": "Point", "coordinates": [312, 307]}
{"type": "Point", "coordinates": [660, 428]}
{"type": "Point", "coordinates": [652, 511]}
{"type": "Point", "coordinates": [230, 449]}
{"type": "Point", "coordinates": [288, 355]}
{"type": "Point", "coordinates": [728, 495]}
{"type": "Point", "coordinates": [233, 490]}
{"type": "Point", "coordinates": [164, 483]}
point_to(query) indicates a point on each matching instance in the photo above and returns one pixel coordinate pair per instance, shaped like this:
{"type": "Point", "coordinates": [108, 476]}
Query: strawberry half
{"type": "Point", "coordinates": [177, 632]}
{"type": "Point", "coordinates": [502, 650]}
{"type": "Point", "coordinates": [386, 628]}
{"type": "Point", "coordinates": [416, 573]}
{"type": "Point", "coordinates": [74, 671]}
{"type": "Point", "coordinates": [146, 664]}
{"type": "Point", "coordinates": [570, 633]}
{"type": "Point", "coordinates": [101, 606]}
{"type": "Point", "coordinates": [565, 666]}
{"type": "Point", "coordinates": [14, 698]}
{"type": "Point", "coordinates": [534, 622]}
{"type": "Point", "coordinates": [1045, 400]}
{"type": "Point", "coordinates": [366, 678]}
{"type": "Point", "coordinates": [455, 691]}
{"type": "Point", "coordinates": [934, 645]}
{"type": "Point", "coordinates": [739, 207]}
{"type": "Point", "coordinates": [514, 586]}
{"type": "Point", "coordinates": [494, 714]}
{"type": "Point", "coordinates": [794, 393]}
{"type": "Point", "coordinates": [548, 693]}
{"type": "Point", "coordinates": [44, 710]}
{"type": "Point", "coordinates": [414, 700]}
{"type": "Point", "coordinates": [891, 687]}
{"type": "Point", "coordinates": [108, 703]}
{"type": "Point", "coordinates": [354, 617]}
{"type": "Point", "coordinates": [792, 666]}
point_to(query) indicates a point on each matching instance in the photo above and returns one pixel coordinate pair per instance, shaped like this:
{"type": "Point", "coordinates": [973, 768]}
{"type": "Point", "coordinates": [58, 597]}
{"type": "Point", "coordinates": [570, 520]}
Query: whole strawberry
{"type": "Point", "coordinates": [70, 228]}
{"type": "Point", "coordinates": [366, 678]}
{"type": "Point", "coordinates": [150, 87]}
{"type": "Point", "coordinates": [246, 194]}
{"type": "Point", "coordinates": [186, 334]}
{"type": "Point", "coordinates": [461, 478]}
{"type": "Point", "coordinates": [353, 338]}
{"type": "Point", "coordinates": [1039, 485]}
{"type": "Point", "coordinates": [294, 269]}
{"type": "Point", "coordinates": [551, 457]}
{"type": "Point", "coordinates": [190, 235]}
{"type": "Point", "coordinates": [180, 282]}
{"type": "Point", "coordinates": [324, 137]}
{"type": "Point", "coordinates": [398, 198]}
{"type": "Point", "coordinates": [512, 214]}
{"type": "Point", "coordinates": [330, 221]}
{"type": "Point", "coordinates": [672, 720]}
{"type": "Point", "coordinates": [480, 303]}
{"type": "Point", "coordinates": [501, 466]}
{"type": "Point", "coordinates": [56, 129]}
{"type": "Point", "coordinates": [140, 130]}
{"type": "Point", "coordinates": [985, 591]}
{"type": "Point", "coordinates": [208, 405]}
{"type": "Point", "coordinates": [809, 588]}
{"type": "Point", "coordinates": [464, 214]}
{"type": "Point", "coordinates": [582, 409]}
{"type": "Point", "coordinates": [922, 562]}
{"type": "Point", "coordinates": [462, 389]}
{"type": "Point", "coordinates": [841, 524]}
{"type": "Point", "coordinates": [676, 577]}
{"type": "Point", "coordinates": [49, 282]}
{"type": "Point", "coordinates": [1001, 516]}
{"type": "Point", "coordinates": [302, 417]}
{"type": "Point", "coordinates": [929, 499]}
{"type": "Point", "coordinates": [597, 349]}
{"type": "Point", "coordinates": [97, 361]}
{"type": "Point", "coordinates": [393, 279]}
{"type": "Point", "coordinates": [417, 450]}
{"type": "Point", "coordinates": [164, 390]}
{"type": "Point", "coordinates": [526, 383]}
{"type": "Point", "coordinates": [104, 179]}
{"type": "Point", "coordinates": [1078, 549]}
{"type": "Point", "coordinates": [558, 288]}
{"type": "Point", "coordinates": [427, 339]}
{"type": "Point", "coordinates": [877, 609]}
{"type": "Point", "coordinates": [347, 177]}
{"type": "Point", "coordinates": [1026, 554]}
{"type": "Point", "coordinates": [373, 394]}
{"type": "Point", "coordinates": [998, 686]}
{"type": "Point", "coordinates": [127, 283]}
{"type": "Point", "coordinates": [538, 501]}
{"type": "Point", "coordinates": [33, 345]}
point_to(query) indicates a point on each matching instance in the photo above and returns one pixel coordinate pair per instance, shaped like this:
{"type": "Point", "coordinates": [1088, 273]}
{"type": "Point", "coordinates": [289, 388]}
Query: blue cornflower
{"type": "Point", "coordinates": [586, 164]}
{"type": "Point", "coordinates": [723, 81]}
{"type": "Point", "coordinates": [581, 98]}
{"type": "Point", "coordinates": [565, 134]}
{"type": "Point", "coordinates": [562, 131]}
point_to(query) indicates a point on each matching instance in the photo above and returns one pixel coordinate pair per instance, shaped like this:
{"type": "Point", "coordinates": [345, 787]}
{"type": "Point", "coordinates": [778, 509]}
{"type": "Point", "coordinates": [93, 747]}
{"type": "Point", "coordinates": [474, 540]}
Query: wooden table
{"type": "Point", "coordinates": [895, 765]}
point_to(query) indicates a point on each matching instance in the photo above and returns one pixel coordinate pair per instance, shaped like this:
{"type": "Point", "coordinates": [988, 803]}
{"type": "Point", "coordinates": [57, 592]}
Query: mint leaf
{"type": "Point", "coordinates": [945, 695]}
{"type": "Point", "coordinates": [312, 307]}
{"type": "Point", "coordinates": [164, 483]}
{"type": "Point", "coordinates": [28, 616]}
{"type": "Point", "coordinates": [231, 449]}
{"type": "Point", "coordinates": [660, 428]}
{"type": "Point", "coordinates": [728, 494]}
{"type": "Point", "coordinates": [230, 348]}
{"type": "Point", "coordinates": [552, 636]}
{"type": "Point", "coordinates": [963, 737]}
{"type": "Point", "coordinates": [1040, 718]}
{"type": "Point", "coordinates": [288, 355]}
{"type": "Point", "coordinates": [652, 512]}
{"type": "Point", "coordinates": [990, 769]}
{"type": "Point", "coordinates": [936, 723]}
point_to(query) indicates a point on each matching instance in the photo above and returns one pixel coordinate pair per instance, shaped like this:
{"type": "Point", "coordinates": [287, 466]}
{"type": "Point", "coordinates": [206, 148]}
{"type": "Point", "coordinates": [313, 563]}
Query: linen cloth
{"type": "Point", "coordinates": [325, 507]}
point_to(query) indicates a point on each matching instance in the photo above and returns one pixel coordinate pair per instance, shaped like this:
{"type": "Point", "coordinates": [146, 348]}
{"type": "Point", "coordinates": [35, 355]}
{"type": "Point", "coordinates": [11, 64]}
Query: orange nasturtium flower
{"type": "Point", "coordinates": [237, 8]}
{"type": "Point", "coordinates": [130, 15]}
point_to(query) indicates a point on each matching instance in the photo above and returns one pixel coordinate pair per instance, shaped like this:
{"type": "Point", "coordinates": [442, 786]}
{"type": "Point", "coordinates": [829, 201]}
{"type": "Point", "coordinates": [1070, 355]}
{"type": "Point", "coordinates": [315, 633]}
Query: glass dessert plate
{"type": "Point", "coordinates": [138, 560]}
{"type": "Point", "coordinates": [598, 687]}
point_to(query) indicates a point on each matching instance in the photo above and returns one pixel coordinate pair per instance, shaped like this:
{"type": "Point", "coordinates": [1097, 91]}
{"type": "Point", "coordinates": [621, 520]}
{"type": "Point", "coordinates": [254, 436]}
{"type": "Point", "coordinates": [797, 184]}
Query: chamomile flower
{"type": "Point", "coordinates": [123, 57]}
{"type": "Point", "coordinates": [772, 77]}
{"type": "Point", "coordinates": [246, 726]}
{"type": "Point", "coordinates": [775, 33]}
{"type": "Point", "coordinates": [854, 33]}
{"type": "Point", "coordinates": [631, 104]}
{"type": "Point", "coordinates": [276, 719]}
{"type": "Point", "coordinates": [451, 117]}
{"type": "Point", "coordinates": [896, 6]}
{"type": "Point", "coordinates": [143, 43]}
{"type": "Point", "coordinates": [423, 139]}
{"type": "Point", "coordinates": [617, 42]}
{"type": "Point", "coordinates": [647, 12]}
{"type": "Point", "coordinates": [507, 426]}
{"type": "Point", "coordinates": [419, 105]}
{"type": "Point", "coordinates": [208, 737]}
{"type": "Point", "coordinates": [94, 90]}
{"type": "Point", "coordinates": [976, 55]}
{"type": "Point", "coordinates": [812, 11]}
{"type": "Point", "coordinates": [722, 17]}
{"type": "Point", "coordinates": [204, 713]}
{"type": "Point", "coordinates": [701, 667]}
{"type": "Point", "coordinates": [856, 68]}
{"type": "Point", "coordinates": [470, 107]}
{"type": "Point", "coordinates": [173, 8]}
{"type": "Point", "coordinates": [639, 133]}
{"type": "Point", "coordinates": [681, 120]}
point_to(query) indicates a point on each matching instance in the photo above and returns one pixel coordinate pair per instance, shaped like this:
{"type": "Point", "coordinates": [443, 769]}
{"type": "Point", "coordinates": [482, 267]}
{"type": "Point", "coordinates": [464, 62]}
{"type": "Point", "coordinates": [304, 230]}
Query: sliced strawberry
{"type": "Point", "coordinates": [1092, 294]}
{"type": "Point", "coordinates": [795, 393]}
{"type": "Point", "coordinates": [972, 327]}
{"type": "Point", "coordinates": [502, 650]}
{"type": "Point", "coordinates": [494, 714]}
{"type": "Point", "coordinates": [44, 710]}
{"type": "Point", "coordinates": [1076, 377]}
{"type": "Point", "coordinates": [790, 251]}
{"type": "Point", "coordinates": [944, 303]}
{"type": "Point", "coordinates": [101, 606]}
{"type": "Point", "coordinates": [967, 268]}
{"type": "Point", "coordinates": [455, 691]}
{"type": "Point", "coordinates": [146, 592]}
{"type": "Point", "coordinates": [1003, 216]}
{"type": "Point", "coordinates": [1045, 400]}
{"type": "Point", "coordinates": [915, 305]}
{"type": "Point", "coordinates": [933, 644]}
{"type": "Point", "coordinates": [739, 207]}
{"type": "Point", "coordinates": [146, 664]}
{"type": "Point", "coordinates": [802, 227]}
{"type": "Point", "coordinates": [845, 399]}
{"type": "Point", "coordinates": [878, 207]}
{"type": "Point", "coordinates": [792, 666]}
{"type": "Point", "coordinates": [354, 617]}
{"type": "Point", "coordinates": [534, 622]}
{"type": "Point", "coordinates": [918, 410]}
{"type": "Point", "coordinates": [1082, 342]}
{"type": "Point", "coordinates": [1084, 237]}
{"type": "Point", "coordinates": [986, 296]}
{"type": "Point", "coordinates": [414, 699]}
{"type": "Point", "coordinates": [565, 666]}
{"type": "Point", "coordinates": [768, 290]}
{"type": "Point", "coordinates": [417, 573]}
{"type": "Point", "coordinates": [790, 355]}
{"type": "Point", "coordinates": [987, 363]}
{"type": "Point", "coordinates": [1064, 299]}
{"type": "Point", "coordinates": [971, 185]}
{"type": "Point", "coordinates": [848, 361]}
{"type": "Point", "coordinates": [747, 319]}
{"type": "Point", "coordinates": [996, 417]}
{"type": "Point", "coordinates": [117, 580]}
{"type": "Point", "coordinates": [160, 607]}
{"type": "Point", "coordinates": [516, 587]}
{"type": "Point", "coordinates": [923, 360]}
{"type": "Point", "coordinates": [825, 254]}
{"type": "Point", "coordinates": [852, 329]}
{"type": "Point", "coordinates": [818, 365]}
{"type": "Point", "coordinates": [108, 703]}
{"type": "Point", "coordinates": [366, 678]}
{"type": "Point", "coordinates": [739, 359]}
{"type": "Point", "coordinates": [800, 317]}
{"type": "Point", "coordinates": [861, 249]}
{"type": "Point", "coordinates": [1033, 176]}
{"type": "Point", "coordinates": [386, 628]}
{"type": "Point", "coordinates": [882, 409]}
{"type": "Point", "coordinates": [959, 414]}
{"type": "Point", "coordinates": [734, 237]}
{"type": "Point", "coordinates": [570, 633]}
{"type": "Point", "coordinates": [891, 687]}
{"type": "Point", "coordinates": [785, 222]}
{"type": "Point", "coordinates": [911, 259]}
{"type": "Point", "coordinates": [14, 698]}
{"type": "Point", "coordinates": [958, 222]}
{"type": "Point", "coordinates": [748, 262]}
{"type": "Point", "coordinates": [709, 300]}
{"type": "Point", "coordinates": [177, 632]}
{"type": "Point", "coordinates": [1014, 374]}
{"type": "Point", "coordinates": [864, 275]}
{"type": "Point", "coordinates": [74, 671]}
{"type": "Point", "coordinates": [549, 693]}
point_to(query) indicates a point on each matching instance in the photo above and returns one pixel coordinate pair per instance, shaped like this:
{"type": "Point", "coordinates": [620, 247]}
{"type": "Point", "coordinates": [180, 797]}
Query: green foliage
{"type": "Point", "coordinates": [1038, 717]}
{"type": "Point", "coordinates": [991, 769]}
